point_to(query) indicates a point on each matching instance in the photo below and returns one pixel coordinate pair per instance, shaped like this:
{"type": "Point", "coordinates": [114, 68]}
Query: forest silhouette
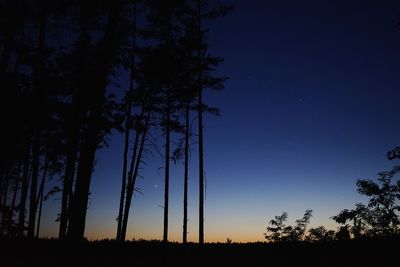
{"type": "Point", "coordinates": [58, 61]}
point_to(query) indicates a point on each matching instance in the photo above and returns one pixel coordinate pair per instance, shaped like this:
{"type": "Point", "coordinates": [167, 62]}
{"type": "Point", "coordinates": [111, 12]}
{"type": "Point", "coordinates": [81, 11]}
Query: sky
{"type": "Point", "coordinates": [310, 106]}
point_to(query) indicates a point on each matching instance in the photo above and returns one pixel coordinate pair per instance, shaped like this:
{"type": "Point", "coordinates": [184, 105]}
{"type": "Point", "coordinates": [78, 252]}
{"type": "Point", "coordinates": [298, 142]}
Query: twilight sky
{"type": "Point", "coordinates": [310, 107]}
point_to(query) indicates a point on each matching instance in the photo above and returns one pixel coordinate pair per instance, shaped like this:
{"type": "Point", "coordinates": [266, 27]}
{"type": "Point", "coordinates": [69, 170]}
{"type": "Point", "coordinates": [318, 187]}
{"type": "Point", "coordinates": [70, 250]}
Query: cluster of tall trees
{"type": "Point", "coordinates": [59, 63]}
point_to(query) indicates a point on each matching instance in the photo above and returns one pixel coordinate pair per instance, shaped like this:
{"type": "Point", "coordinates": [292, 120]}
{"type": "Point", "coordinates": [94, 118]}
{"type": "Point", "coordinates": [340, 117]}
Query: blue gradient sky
{"type": "Point", "coordinates": [312, 105]}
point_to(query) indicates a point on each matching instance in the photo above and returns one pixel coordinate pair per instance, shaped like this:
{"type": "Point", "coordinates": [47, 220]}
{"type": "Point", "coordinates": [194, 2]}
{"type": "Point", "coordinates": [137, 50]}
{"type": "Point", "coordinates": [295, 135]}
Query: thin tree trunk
{"type": "Point", "coordinates": [38, 69]}
{"type": "Point", "coordinates": [16, 186]}
{"type": "Point", "coordinates": [186, 174]}
{"type": "Point", "coordinates": [124, 169]}
{"type": "Point", "coordinates": [70, 168]}
{"type": "Point", "coordinates": [3, 201]}
{"type": "Point", "coordinates": [166, 181]}
{"type": "Point", "coordinates": [2, 179]}
{"type": "Point", "coordinates": [67, 188]}
{"type": "Point", "coordinates": [40, 197]}
{"type": "Point", "coordinates": [200, 129]}
{"type": "Point", "coordinates": [33, 193]}
{"type": "Point", "coordinates": [133, 176]}
{"type": "Point", "coordinates": [24, 192]}
{"type": "Point", "coordinates": [127, 128]}
{"type": "Point", "coordinates": [130, 184]}
{"type": "Point", "coordinates": [201, 171]}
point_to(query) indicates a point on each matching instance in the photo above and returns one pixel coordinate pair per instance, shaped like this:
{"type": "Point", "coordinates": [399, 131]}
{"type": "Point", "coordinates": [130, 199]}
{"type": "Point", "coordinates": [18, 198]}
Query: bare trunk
{"type": "Point", "coordinates": [75, 121]}
{"type": "Point", "coordinates": [201, 171]}
{"type": "Point", "coordinates": [24, 192]}
{"type": "Point", "coordinates": [166, 181]}
{"type": "Point", "coordinates": [39, 95]}
{"type": "Point", "coordinates": [186, 174]}
{"type": "Point", "coordinates": [2, 179]}
{"type": "Point", "coordinates": [127, 129]}
{"type": "Point", "coordinates": [80, 199]}
{"type": "Point", "coordinates": [124, 169]}
{"type": "Point", "coordinates": [33, 193]}
{"type": "Point", "coordinates": [70, 168]}
{"type": "Point", "coordinates": [200, 129]}
{"type": "Point", "coordinates": [16, 186]}
{"type": "Point", "coordinates": [133, 175]}
{"type": "Point", "coordinates": [3, 202]}
{"type": "Point", "coordinates": [67, 188]}
{"type": "Point", "coordinates": [40, 197]}
{"type": "Point", "coordinates": [131, 183]}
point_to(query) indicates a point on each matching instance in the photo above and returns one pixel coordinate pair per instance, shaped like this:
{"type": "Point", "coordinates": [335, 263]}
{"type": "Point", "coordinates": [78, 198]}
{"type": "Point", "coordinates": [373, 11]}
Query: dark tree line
{"type": "Point", "coordinates": [59, 61]}
{"type": "Point", "coordinates": [380, 217]}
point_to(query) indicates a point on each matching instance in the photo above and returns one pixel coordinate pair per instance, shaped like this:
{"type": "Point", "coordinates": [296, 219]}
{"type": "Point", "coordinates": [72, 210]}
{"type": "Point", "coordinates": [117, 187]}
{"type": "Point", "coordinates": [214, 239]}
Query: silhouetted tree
{"type": "Point", "coordinates": [55, 103]}
{"type": "Point", "coordinates": [96, 124]}
{"type": "Point", "coordinates": [379, 217]}
{"type": "Point", "coordinates": [128, 103]}
{"type": "Point", "coordinates": [298, 231]}
{"type": "Point", "coordinates": [41, 194]}
{"type": "Point", "coordinates": [343, 233]}
{"type": "Point", "coordinates": [360, 218]}
{"type": "Point", "coordinates": [320, 233]}
{"type": "Point", "coordinates": [205, 64]}
{"type": "Point", "coordinates": [278, 231]}
{"type": "Point", "coordinates": [166, 30]}
{"type": "Point", "coordinates": [30, 107]}
{"type": "Point", "coordinates": [39, 96]}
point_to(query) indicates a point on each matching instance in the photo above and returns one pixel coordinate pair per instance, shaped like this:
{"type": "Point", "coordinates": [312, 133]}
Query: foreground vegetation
{"type": "Point", "coordinates": [379, 218]}
{"type": "Point", "coordinates": [360, 252]}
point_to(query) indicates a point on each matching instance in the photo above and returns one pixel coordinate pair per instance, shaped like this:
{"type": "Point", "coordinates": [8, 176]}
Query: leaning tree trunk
{"type": "Point", "coordinates": [127, 129]}
{"type": "Point", "coordinates": [134, 172]}
{"type": "Point", "coordinates": [124, 169]}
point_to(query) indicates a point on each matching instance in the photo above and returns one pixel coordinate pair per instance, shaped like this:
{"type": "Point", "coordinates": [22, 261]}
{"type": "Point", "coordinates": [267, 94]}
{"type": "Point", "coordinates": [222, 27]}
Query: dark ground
{"type": "Point", "coordinates": [380, 252]}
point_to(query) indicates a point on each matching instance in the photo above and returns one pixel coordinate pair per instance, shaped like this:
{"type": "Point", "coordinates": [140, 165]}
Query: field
{"type": "Point", "coordinates": [381, 252]}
